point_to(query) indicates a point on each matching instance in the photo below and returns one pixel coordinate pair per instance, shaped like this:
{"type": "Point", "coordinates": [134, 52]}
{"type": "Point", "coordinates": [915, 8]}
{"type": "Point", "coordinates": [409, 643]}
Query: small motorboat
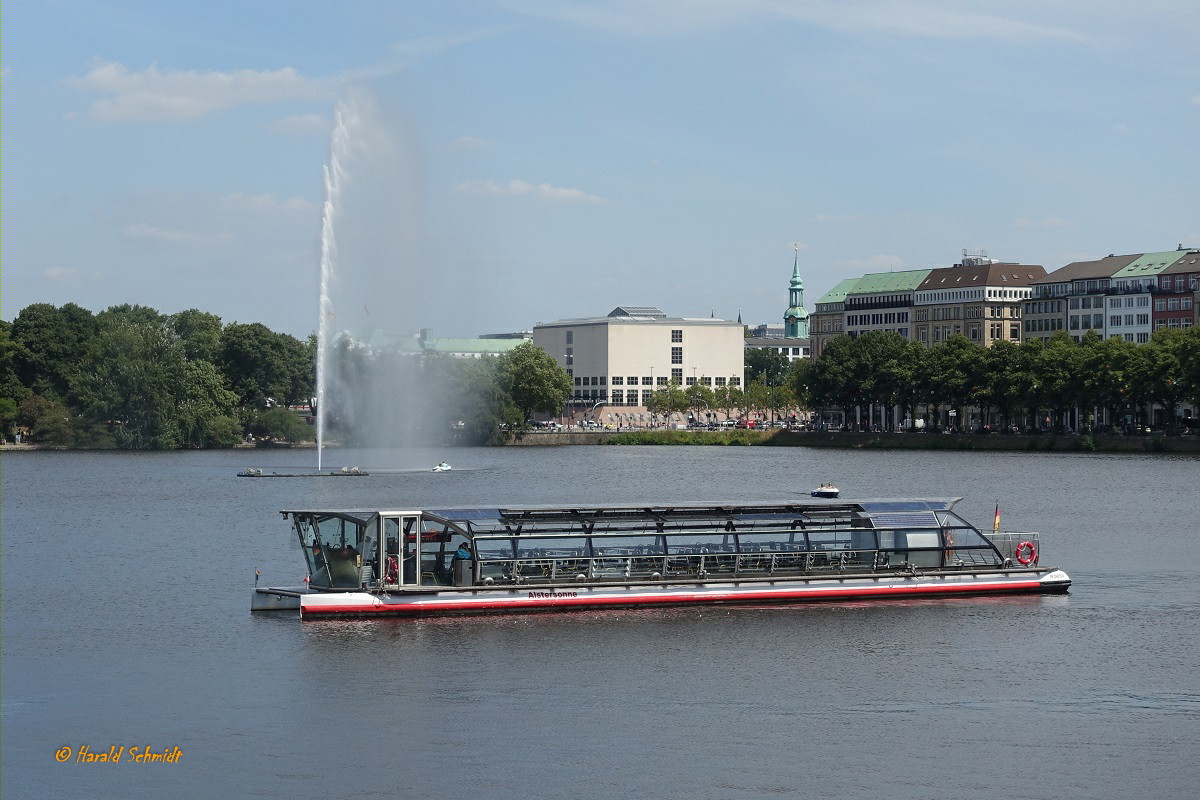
{"type": "Point", "coordinates": [442, 467]}
{"type": "Point", "coordinates": [827, 490]}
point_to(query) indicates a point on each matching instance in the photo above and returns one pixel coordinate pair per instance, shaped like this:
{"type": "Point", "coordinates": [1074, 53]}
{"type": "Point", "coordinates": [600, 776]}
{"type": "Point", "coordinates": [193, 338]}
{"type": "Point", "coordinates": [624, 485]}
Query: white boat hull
{"type": "Point", "coordinates": [525, 599]}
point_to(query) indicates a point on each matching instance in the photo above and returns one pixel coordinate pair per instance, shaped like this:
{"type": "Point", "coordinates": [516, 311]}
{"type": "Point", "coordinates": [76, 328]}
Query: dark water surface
{"type": "Point", "coordinates": [126, 588]}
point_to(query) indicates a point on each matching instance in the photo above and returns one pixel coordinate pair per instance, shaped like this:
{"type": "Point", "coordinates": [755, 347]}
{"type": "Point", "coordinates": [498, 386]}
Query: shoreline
{"type": "Point", "coordinates": [1041, 443]}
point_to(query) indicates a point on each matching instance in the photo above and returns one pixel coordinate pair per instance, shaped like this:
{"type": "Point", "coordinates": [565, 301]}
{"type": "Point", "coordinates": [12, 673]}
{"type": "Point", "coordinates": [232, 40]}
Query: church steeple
{"type": "Point", "coordinates": [795, 319]}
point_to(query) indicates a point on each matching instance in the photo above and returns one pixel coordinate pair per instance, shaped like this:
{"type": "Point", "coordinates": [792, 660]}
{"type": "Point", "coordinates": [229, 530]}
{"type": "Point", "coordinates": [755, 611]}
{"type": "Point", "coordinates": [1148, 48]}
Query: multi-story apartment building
{"type": "Point", "coordinates": [883, 301]}
{"type": "Point", "coordinates": [1177, 301]}
{"type": "Point", "coordinates": [1072, 298]}
{"type": "Point", "coordinates": [1124, 296]}
{"type": "Point", "coordinates": [981, 299]}
{"type": "Point", "coordinates": [828, 320]}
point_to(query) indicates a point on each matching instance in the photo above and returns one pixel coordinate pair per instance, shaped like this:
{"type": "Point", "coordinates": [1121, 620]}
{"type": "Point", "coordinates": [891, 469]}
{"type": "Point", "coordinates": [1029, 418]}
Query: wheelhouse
{"type": "Point", "coordinates": [431, 550]}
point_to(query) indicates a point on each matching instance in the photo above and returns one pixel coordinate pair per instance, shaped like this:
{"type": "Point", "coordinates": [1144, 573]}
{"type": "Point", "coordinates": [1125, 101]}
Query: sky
{"type": "Point", "coordinates": [501, 163]}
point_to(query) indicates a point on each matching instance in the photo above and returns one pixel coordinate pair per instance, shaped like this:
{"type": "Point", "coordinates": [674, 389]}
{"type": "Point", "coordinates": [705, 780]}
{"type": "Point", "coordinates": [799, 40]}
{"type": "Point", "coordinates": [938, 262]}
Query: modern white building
{"type": "Point", "coordinates": [622, 358]}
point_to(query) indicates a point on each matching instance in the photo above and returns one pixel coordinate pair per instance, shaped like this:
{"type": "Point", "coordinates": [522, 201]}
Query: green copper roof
{"type": "Point", "coordinates": [838, 293]}
{"type": "Point", "coordinates": [1150, 264]}
{"type": "Point", "coordinates": [878, 282]}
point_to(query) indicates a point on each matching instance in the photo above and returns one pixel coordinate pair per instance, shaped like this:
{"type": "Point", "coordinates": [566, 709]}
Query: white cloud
{"type": "Point", "coordinates": [544, 191]}
{"type": "Point", "coordinates": [1045, 223]}
{"type": "Point", "coordinates": [302, 125]}
{"type": "Point", "coordinates": [934, 19]}
{"type": "Point", "coordinates": [153, 95]}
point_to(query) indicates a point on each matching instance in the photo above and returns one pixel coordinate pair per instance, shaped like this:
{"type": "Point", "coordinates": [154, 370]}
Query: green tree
{"type": "Point", "coordinates": [131, 314]}
{"type": "Point", "coordinates": [205, 410]}
{"type": "Point", "coordinates": [51, 343]}
{"type": "Point", "coordinates": [260, 364]}
{"type": "Point", "coordinates": [668, 400]}
{"type": "Point", "coordinates": [200, 333]}
{"type": "Point", "coordinates": [533, 380]}
{"type": "Point", "coordinates": [11, 387]}
{"type": "Point", "coordinates": [131, 380]}
{"type": "Point", "coordinates": [1165, 383]}
{"type": "Point", "coordinates": [1000, 375]}
{"type": "Point", "coordinates": [765, 363]}
{"type": "Point", "coordinates": [700, 399]}
{"type": "Point", "coordinates": [1108, 369]}
{"type": "Point", "coordinates": [279, 423]}
{"type": "Point", "coordinates": [728, 398]}
{"type": "Point", "coordinates": [955, 372]}
{"type": "Point", "coordinates": [1059, 367]}
{"type": "Point", "coordinates": [48, 419]}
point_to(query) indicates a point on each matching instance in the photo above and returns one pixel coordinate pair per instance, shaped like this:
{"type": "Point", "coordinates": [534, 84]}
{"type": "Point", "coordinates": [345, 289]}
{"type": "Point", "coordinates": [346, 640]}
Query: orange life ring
{"type": "Point", "coordinates": [1026, 553]}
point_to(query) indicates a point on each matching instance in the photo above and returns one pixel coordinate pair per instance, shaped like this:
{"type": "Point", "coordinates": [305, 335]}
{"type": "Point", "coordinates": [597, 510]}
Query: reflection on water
{"type": "Point", "coordinates": [126, 589]}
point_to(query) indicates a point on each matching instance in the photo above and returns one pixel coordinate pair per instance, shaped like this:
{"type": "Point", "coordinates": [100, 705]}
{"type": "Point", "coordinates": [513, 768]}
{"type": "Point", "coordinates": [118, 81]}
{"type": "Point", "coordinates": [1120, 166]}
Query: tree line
{"type": "Point", "coordinates": [1008, 382]}
{"type": "Point", "coordinates": [131, 377]}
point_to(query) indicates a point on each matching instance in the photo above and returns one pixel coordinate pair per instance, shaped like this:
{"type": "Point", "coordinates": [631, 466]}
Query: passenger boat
{"type": "Point", "coordinates": [430, 562]}
{"type": "Point", "coordinates": [827, 491]}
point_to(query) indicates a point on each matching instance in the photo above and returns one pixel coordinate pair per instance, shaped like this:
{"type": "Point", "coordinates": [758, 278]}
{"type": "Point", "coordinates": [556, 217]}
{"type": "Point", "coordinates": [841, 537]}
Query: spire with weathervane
{"type": "Point", "coordinates": [795, 319]}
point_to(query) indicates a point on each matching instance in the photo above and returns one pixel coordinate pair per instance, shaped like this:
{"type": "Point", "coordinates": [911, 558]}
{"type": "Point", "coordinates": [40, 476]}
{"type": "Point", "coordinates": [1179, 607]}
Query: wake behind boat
{"type": "Point", "coordinates": [430, 562]}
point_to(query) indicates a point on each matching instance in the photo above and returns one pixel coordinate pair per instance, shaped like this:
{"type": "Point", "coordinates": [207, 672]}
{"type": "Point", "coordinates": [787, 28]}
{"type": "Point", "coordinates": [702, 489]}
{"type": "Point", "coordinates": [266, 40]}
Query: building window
{"type": "Point", "coordinates": [618, 380]}
{"type": "Point", "coordinates": [647, 381]}
{"type": "Point", "coordinates": [720, 381]}
{"type": "Point", "coordinates": [1160, 304]}
{"type": "Point", "coordinates": [676, 355]}
{"type": "Point", "coordinates": [691, 381]}
{"type": "Point", "coordinates": [577, 380]}
{"type": "Point", "coordinates": [705, 380]}
{"type": "Point", "coordinates": [677, 336]}
{"type": "Point", "coordinates": [677, 376]}
{"type": "Point", "coordinates": [618, 397]}
{"type": "Point", "coordinates": [1114, 321]}
{"type": "Point", "coordinates": [632, 380]}
{"type": "Point", "coordinates": [570, 337]}
{"type": "Point", "coordinates": [1143, 319]}
{"type": "Point", "coordinates": [735, 381]}
{"type": "Point", "coordinates": [603, 380]}
{"type": "Point", "coordinates": [1014, 331]}
{"type": "Point", "coordinates": [661, 380]}
{"type": "Point", "coordinates": [1142, 338]}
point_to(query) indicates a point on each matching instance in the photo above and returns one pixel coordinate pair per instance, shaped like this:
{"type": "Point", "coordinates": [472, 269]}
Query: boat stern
{"type": "Point", "coordinates": [1055, 581]}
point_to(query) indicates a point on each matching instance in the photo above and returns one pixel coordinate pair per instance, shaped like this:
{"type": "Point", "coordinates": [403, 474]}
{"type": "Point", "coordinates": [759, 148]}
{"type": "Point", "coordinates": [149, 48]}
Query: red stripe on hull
{"type": "Point", "coordinates": [523, 604]}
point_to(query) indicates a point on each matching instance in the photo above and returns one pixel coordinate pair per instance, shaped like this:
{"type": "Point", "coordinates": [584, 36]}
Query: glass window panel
{"type": "Point", "coordinates": [493, 549]}
{"type": "Point", "coordinates": [775, 541]}
{"type": "Point", "coordinates": [715, 542]}
{"type": "Point", "coordinates": [567, 546]}
{"type": "Point", "coordinates": [627, 545]}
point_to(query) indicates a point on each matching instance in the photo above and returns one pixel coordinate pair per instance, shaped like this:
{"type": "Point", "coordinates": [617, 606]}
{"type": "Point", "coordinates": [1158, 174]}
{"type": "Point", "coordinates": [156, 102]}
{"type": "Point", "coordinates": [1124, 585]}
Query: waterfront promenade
{"type": "Point", "coordinates": [1152, 443]}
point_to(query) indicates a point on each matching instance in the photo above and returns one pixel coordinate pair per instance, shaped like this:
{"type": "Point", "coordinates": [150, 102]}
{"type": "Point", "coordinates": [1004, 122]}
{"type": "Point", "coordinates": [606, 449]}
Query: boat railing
{"type": "Point", "coordinates": [1014, 545]}
{"type": "Point", "coordinates": [567, 568]}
